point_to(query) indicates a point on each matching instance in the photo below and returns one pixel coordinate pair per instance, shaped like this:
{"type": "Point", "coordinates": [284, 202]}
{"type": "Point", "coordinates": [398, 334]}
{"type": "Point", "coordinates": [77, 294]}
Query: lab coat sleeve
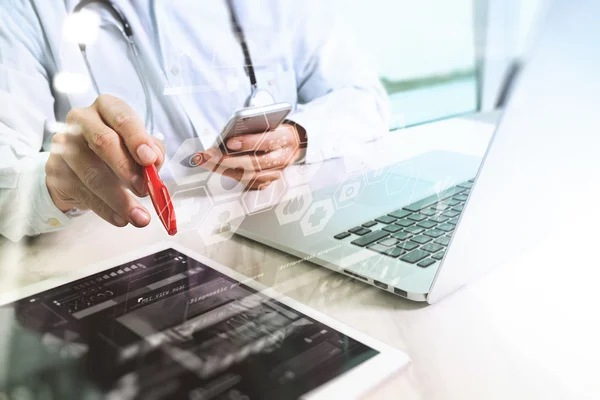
{"type": "Point", "coordinates": [27, 107]}
{"type": "Point", "coordinates": [341, 102]}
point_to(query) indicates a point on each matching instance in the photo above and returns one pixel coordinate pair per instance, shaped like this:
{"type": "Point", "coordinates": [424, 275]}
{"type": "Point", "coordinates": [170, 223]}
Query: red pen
{"type": "Point", "coordinates": [161, 199]}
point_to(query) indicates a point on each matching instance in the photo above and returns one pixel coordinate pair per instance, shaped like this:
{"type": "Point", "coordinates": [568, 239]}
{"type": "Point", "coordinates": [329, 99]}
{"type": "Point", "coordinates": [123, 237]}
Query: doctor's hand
{"type": "Point", "coordinates": [100, 156]}
{"type": "Point", "coordinates": [257, 159]}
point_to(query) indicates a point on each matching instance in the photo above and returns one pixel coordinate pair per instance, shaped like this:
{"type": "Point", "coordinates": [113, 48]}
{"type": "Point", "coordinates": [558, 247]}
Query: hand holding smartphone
{"type": "Point", "coordinates": [253, 120]}
{"type": "Point", "coordinates": [246, 121]}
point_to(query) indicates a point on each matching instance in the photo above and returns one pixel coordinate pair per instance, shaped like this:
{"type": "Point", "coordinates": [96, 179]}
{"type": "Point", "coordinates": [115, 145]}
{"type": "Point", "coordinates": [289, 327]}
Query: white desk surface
{"type": "Point", "coordinates": [510, 335]}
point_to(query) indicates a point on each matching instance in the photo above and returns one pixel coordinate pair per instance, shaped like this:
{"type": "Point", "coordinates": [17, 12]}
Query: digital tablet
{"type": "Point", "coordinates": [166, 323]}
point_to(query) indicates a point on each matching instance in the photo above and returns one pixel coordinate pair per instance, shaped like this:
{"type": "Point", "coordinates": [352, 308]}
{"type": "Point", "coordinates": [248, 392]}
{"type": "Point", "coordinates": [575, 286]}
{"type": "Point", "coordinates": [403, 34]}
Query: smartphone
{"type": "Point", "coordinates": [246, 121]}
{"type": "Point", "coordinates": [254, 120]}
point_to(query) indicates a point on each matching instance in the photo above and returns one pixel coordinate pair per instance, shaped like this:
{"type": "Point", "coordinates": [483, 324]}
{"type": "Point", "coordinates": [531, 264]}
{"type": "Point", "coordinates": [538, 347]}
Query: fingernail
{"type": "Point", "coordinates": [139, 185]}
{"type": "Point", "coordinates": [118, 220]}
{"type": "Point", "coordinates": [139, 217]}
{"type": "Point", "coordinates": [235, 144]}
{"type": "Point", "coordinates": [146, 154]}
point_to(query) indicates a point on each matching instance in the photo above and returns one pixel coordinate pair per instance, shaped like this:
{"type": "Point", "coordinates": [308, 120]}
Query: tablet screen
{"type": "Point", "coordinates": [166, 326]}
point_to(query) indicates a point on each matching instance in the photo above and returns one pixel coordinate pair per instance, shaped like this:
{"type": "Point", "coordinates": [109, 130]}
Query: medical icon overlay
{"type": "Point", "coordinates": [266, 196]}
{"type": "Point", "coordinates": [317, 217]}
{"type": "Point", "coordinates": [222, 222]}
{"type": "Point", "coordinates": [378, 175]}
{"type": "Point", "coordinates": [348, 192]}
{"type": "Point", "coordinates": [191, 207]}
{"type": "Point", "coordinates": [229, 181]}
{"type": "Point", "coordinates": [402, 178]}
{"type": "Point", "coordinates": [303, 173]}
{"type": "Point", "coordinates": [294, 204]}
{"type": "Point", "coordinates": [186, 164]}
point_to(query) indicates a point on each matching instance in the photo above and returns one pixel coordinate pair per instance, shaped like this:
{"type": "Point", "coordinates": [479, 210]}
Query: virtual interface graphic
{"type": "Point", "coordinates": [166, 326]}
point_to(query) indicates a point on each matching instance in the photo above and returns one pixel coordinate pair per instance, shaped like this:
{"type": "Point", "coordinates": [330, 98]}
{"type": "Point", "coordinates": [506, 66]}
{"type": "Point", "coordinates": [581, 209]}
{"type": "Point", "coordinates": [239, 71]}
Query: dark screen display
{"type": "Point", "coordinates": [166, 327]}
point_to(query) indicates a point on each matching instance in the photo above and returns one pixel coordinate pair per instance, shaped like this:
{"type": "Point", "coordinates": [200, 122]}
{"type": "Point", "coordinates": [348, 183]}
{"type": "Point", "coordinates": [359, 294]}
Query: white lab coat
{"type": "Point", "coordinates": [194, 67]}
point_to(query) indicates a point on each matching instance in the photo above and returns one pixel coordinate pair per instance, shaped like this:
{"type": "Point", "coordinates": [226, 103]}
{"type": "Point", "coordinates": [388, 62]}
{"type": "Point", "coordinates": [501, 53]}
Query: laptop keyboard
{"type": "Point", "coordinates": [418, 233]}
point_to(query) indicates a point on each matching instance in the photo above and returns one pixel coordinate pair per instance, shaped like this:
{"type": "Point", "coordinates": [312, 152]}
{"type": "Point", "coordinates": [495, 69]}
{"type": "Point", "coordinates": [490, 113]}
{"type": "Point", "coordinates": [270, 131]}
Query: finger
{"type": "Point", "coordinates": [277, 159]}
{"type": "Point", "coordinates": [263, 180]}
{"type": "Point", "coordinates": [101, 181]}
{"type": "Point", "coordinates": [252, 164]}
{"type": "Point", "coordinates": [107, 145]}
{"type": "Point", "coordinates": [83, 198]}
{"type": "Point", "coordinates": [92, 202]}
{"type": "Point", "coordinates": [240, 168]}
{"type": "Point", "coordinates": [159, 148]}
{"type": "Point", "coordinates": [58, 175]}
{"type": "Point", "coordinates": [259, 186]}
{"type": "Point", "coordinates": [243, 163]}
{"type": "Point", "coordinates": [123, 120]}
{"type": "Point", "coordinates": [283, 136]}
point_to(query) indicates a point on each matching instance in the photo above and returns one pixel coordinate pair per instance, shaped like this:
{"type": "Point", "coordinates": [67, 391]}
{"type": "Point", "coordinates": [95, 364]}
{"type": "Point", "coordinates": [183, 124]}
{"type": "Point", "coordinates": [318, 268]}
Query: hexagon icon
{"type": "Point", "coordinates": [317, 217]}
{"type": "Point", "coordinates": [221, 223]}
{"type": "Point", "coordinates": [191, 207]}
{"type": "Point", "coordinates": [403, 177]}
{"type": "Point", "coordinates": [184, 163]}
{"type": "Point", "coordinates": [294, 204]}
{"type": "Point", "coordinates": [279, 151]}
{"type": "Point", "coordinates": [266, 198]}
{"type": "Point", "coordinates": [222, 186]}
{"type": "Point", "coordinates": [349, 190]}
{"type": "Point", "coordinates": [302, 174]}
{"type": "Point", "coordinates": [378, 175]}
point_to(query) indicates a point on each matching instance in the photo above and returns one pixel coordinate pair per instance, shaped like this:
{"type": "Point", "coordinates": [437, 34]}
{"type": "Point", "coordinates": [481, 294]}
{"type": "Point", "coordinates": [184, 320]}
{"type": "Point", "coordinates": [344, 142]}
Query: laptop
{"type": "Point", "coordinates": [411, 237]}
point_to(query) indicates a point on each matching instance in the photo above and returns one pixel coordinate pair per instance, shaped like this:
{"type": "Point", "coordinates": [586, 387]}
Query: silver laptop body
{"type": "Point", "coordinates": [544, 151]}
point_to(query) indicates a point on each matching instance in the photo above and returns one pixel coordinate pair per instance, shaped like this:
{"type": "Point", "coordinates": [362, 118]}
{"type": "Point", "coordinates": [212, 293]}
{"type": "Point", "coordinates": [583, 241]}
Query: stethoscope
{"type": "Point", "coordinates": [257, 96]}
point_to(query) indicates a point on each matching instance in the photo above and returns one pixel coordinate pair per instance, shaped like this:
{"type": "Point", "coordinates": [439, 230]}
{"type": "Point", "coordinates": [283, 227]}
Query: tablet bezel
{"type": "Point", "coordinates": [353, 383]}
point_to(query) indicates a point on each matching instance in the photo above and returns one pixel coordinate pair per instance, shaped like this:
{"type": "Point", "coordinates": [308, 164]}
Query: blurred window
{"type": "Point", "coordinates": [425, 53]}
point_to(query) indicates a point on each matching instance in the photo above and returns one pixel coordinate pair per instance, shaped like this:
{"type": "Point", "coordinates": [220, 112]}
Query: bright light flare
{"type": "Point", "coordinates": [82, 27]}
{"type": "Point", "coordinates": [69, 82]}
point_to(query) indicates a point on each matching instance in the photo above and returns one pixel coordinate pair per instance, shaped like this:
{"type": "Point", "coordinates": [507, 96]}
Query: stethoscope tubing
{"type": "Point", "coordinates": [127, 32]}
